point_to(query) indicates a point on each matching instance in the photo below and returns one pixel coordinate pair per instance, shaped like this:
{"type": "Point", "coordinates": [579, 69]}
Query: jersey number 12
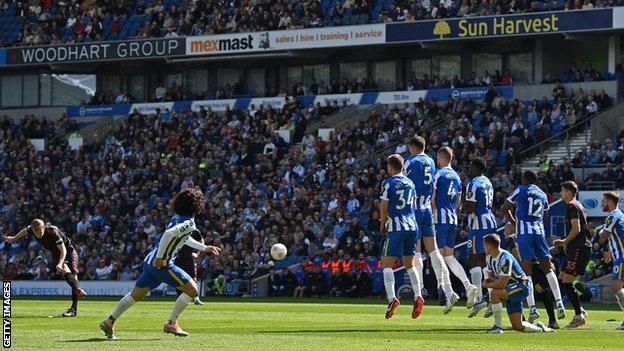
{"type": "Point", "coordinates": [535, 207]}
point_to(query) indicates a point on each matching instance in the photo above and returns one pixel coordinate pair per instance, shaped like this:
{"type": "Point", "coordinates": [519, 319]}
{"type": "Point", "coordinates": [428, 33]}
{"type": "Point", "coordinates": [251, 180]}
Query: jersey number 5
{"type": "Point", "coordinates": [428, 177]}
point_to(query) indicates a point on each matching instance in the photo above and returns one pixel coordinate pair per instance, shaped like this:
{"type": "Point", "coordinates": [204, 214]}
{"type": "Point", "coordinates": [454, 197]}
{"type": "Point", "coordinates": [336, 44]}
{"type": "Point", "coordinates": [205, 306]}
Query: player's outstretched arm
{"type": "Point", "coordinates": [209, 249]}
{"type": "Point", "coordinates": [22, 233]}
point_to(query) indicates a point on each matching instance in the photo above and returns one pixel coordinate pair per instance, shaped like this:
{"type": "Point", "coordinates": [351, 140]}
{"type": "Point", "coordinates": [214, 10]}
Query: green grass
{"type": "Point", "coordinates": [236, 324]}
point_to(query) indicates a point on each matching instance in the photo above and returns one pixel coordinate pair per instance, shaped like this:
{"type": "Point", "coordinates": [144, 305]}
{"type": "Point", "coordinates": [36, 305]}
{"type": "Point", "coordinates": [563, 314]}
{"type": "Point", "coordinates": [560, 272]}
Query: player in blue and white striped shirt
{"type": "Point", "coordinates": [507, 282]}
{"type": "Point", "coordinates": [398, 224]}
{"type": "Point", "coordinates": [158, 266]}
{"type": "Point", "coordinates": [421, 170]}
{"type": "Point", "coordinates": [445, 201]}
{"type": "Point", "coordinates": [613, 231]}
{"type": "Point", "coordinates": [478, 200]}
{"type": "Point", "coordinates": [531, 207]}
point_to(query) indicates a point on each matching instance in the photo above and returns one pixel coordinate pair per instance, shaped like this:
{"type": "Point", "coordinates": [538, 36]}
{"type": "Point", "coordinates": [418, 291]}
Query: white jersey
{"type": "Point", "coordinates": [177, 233]}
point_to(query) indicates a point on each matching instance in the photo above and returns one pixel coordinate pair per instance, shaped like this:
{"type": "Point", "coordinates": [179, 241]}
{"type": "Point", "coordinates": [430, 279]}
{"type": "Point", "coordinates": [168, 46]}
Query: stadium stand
{"type": "Point", "coordinates": [316, 196]}
{"type": "Point", "coordinates": [526, 96]}
{"type": "Point", "coordinates": [51, 22]}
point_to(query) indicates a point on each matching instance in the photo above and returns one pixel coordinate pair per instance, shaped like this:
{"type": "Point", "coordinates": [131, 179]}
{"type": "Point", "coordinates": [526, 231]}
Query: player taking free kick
{"type": "Point", "coordinates": [64, 256]}
{"type": "Point", "coordinates": [158, 266]}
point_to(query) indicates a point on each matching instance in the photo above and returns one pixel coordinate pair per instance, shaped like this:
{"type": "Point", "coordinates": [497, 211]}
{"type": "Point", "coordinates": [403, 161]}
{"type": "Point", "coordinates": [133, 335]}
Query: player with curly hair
{"type": "Point", "coordinates": [159, 266]}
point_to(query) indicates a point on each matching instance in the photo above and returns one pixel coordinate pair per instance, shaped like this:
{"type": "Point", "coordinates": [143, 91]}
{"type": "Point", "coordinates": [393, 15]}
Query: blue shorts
{"type": "Point", "coordinates": [424, 220]}
{"type": "Point", "coordinates": [152, 277]}
{"type": "Point", "coordinates": [533, 247]}
{"type": "Point", "coordinates": [445, 235]}
{"type": "Point", "coordinates": [517, 293]}
{"type": "Point", "coordinates": [476, 240]}
{"type": "Point", "coordinates": [618, 266]}
{"type": "Point", "coordinates": [399, 244]}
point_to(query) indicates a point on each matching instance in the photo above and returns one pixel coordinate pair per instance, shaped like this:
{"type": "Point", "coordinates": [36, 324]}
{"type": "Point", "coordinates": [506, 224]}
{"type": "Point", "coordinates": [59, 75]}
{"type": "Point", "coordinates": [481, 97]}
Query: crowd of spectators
{"type": "Point", "coordinates": [37, 22]}
{"type": "Point", "coordinates": [499, 129]}
{"type": "Point", "coordinates": [175, 92]}
{"type": "Point", "coordinates": [607, 156]}
{"type": "Point", "coordinates": [318, 197]}
{"type": "Point", "coordinates": [172, 93]}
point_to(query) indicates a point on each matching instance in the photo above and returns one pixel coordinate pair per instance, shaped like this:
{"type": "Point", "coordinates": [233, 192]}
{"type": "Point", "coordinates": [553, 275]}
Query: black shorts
{"type": "Point", "coordinates": [576, 260]}
{"type": "Point", "coordinates": [188, 265]}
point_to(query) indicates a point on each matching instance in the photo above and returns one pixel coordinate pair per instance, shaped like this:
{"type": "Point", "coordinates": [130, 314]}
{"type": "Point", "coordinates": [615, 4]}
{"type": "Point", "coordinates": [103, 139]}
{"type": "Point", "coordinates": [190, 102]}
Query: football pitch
{"type": "Point", "coordinates": [320, 324]}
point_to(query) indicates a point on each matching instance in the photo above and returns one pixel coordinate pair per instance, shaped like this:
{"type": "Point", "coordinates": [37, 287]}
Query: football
{"type": "Point", "coordinates": [278, 251]}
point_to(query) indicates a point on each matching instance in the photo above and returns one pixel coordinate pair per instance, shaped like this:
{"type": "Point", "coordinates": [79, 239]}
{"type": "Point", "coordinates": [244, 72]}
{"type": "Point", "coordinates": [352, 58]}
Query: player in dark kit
{"type": "Point", "coordinates": [187, 260]}
{"type": "Point", "coordinates": [577, 246]}
{"type": "Point", "coordinates": [64, 256]}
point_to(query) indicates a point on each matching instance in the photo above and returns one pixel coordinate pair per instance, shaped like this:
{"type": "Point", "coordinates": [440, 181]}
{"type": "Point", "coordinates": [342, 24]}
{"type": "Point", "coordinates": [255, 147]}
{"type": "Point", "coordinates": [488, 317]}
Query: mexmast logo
{"type": "Point", "coordinates": [208, 45]}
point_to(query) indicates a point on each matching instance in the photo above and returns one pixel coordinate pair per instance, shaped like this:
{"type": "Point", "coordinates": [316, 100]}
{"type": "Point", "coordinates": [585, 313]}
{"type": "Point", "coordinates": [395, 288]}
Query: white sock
{"type": "Point", "coordinates": [531, 298]}
{"type": "Point", "coordinates": [458, 270]}
{"type": "Point", "coordinates": [122, 306]}
{"type": "Point", "coordinates": [619, 296]}
{"type": "Point", "coordinates": [441, 272]}
{"type": "Point", "coordinates": [477, 278]}
{"type": "Point", "coordinates": [388, 275]}
{"type": "Point", "coordinates": [180, 305]}
{"type": "Point", "coordinates": [418, 266]}
{"type": "Point", "coordinates": [196, 298]}
{"type": "Point", "coordinates": [530, 328]}
{"type": "Point", "coordinates": [554, 285]}
{"type": "Point", "coordinates": [497, 310]}
{"type": "Point", "coordinates": [415, 280]}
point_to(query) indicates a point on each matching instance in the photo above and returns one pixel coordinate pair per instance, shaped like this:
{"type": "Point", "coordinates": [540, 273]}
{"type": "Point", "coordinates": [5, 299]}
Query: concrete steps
{"type": "Point", "coordinates": [565, 148]}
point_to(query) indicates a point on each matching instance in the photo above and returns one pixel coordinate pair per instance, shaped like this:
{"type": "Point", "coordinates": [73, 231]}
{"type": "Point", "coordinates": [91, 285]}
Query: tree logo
{"type": "Point", "coordinates": [441, 29]}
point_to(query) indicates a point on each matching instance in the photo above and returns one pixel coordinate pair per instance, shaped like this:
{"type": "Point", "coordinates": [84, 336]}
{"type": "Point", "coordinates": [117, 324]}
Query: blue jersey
{"type": "Point", "coordinates": [480, 191]}
{"type": "Point", "coordinates": [506, 265]}
{"type": "Point", "coordinates": [531, 203]}
{"type": "Point", "coordinates": [178, 231]}
{"type": "Point", "coordinates": [420, 170]}
{"type": "Point", "coordinates": [399, 191]}
{"type": "Point", "coordinates": [447, 188]}
{"type": "Point", "coordinates": [614, 224]}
